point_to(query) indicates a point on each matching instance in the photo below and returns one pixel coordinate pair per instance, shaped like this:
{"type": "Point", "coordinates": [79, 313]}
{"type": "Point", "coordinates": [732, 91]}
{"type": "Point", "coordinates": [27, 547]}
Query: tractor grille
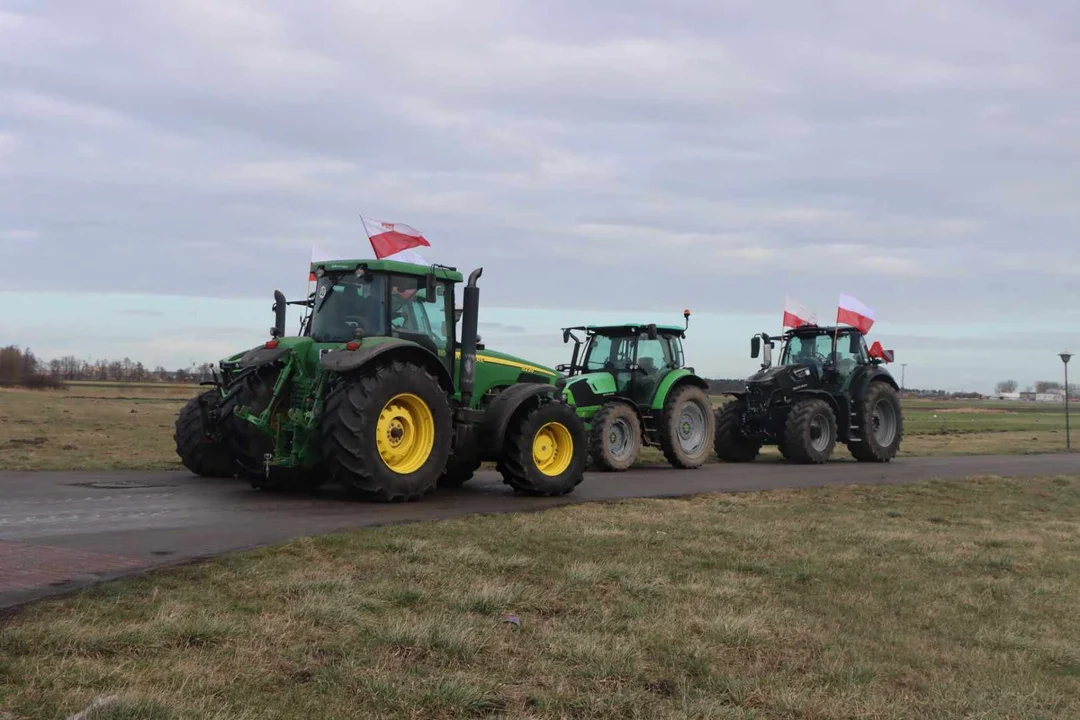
{"type": "Point", "coordinates": [757, 398]}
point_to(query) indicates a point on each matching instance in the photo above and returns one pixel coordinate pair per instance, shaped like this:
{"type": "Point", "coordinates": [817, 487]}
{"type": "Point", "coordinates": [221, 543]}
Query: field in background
{"type": "Point", "coordinates": [939, 600]}
{"type": "Point", "coordinates": [101, 425]}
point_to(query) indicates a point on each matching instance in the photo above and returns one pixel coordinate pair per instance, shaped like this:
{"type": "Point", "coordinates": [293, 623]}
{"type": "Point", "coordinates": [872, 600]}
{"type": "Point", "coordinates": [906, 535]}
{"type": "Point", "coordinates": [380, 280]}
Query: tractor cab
{"type": "Point", "coordinates": [637, 357]}
{"type": "Point", "coordinates": [834, 356]}
{"type": "Point", "coordinates": [354, 301]}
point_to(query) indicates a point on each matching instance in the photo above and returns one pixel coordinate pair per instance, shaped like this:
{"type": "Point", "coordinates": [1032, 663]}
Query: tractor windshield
{"type": "Point", "coordinates": [807, 350]}
{"type": "Point", "coordinates": [346, 305]}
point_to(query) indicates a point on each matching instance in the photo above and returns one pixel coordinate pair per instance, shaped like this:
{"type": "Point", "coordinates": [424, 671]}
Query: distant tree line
{"type": "Point", "coordinates": [22, 367]}
{"type": "Point", "coordinates": [1041, 387]}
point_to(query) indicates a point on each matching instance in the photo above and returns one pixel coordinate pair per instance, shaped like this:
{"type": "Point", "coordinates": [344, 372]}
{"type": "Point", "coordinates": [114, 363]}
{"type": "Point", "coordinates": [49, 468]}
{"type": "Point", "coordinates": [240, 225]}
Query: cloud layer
{"type": "Point", "coordinates": [631, 155]}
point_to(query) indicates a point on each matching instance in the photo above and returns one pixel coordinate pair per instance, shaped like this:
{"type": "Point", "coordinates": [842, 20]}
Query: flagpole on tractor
{"type": "Point", "coordinates": [364, 225]}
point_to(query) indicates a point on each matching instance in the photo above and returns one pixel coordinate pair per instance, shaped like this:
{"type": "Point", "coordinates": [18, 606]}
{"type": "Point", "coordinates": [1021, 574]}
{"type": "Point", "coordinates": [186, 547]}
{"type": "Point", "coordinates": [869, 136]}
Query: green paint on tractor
{"type": "Point", "coordinates": [630, 385]}
{"type": "Point", "coordinates": [377, 392]}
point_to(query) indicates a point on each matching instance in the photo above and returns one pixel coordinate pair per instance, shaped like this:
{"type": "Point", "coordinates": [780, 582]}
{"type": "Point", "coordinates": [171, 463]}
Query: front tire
{"type": "Point", "coordinates": [687, 428]}
{"type": "Point", "coordinates": [731, 445]}
{"type": "Point", "coordinates": [614, 437]}
{"type": "Point", "coordinates": [545, 450]}
{"type": "Point", "coordinates": [198, 440]}
{"type": "Point", "coordinates": [882, 425]}
{"type": "Point", "coordinates": [810, 432]}
{"type": "Point", "coordinates": [386, 434]}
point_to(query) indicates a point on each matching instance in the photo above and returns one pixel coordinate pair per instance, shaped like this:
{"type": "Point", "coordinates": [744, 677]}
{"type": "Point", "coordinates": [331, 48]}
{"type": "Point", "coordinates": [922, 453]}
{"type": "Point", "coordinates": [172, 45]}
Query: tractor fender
{"type": "Point", "coordinates": [682, 376]}
{"type": "Point", "coordinates": [260, 356]}
{"type": "Point", "coordinates": [344, 361]}
{"type": "Point", "coordinates": [859, 388]}
{"type": "Point", "coordinates": [502, 409]}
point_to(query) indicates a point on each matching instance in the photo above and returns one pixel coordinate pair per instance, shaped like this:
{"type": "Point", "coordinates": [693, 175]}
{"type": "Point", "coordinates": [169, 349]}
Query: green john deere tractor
{"type": "Point", "coordinates": [630, 385]}
{"type": "Point", "coordinates": [378, 395]}
{"type": "Point", "coordinates": [828, 388]}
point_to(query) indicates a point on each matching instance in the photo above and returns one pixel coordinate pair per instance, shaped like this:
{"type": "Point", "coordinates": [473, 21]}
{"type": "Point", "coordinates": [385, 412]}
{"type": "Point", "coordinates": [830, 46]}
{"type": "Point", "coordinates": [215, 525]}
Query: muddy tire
{"type": "Point", "coordinates": [882, 425]}
{"type": "Point", "coordinates": [687, 427]}
{"type": "Point", "coordinates": [810, 432]}
{"type": "Point", "coordinates": [545, 449]}
{"type": "Point", "coordinates": [246, 443]}
{"type": "Point", "coordinates": [198, 438]}
{"type": "Point", "coordinates": [614, 437]}
{"type": "Point", "coordinates": [730, 443]}
{"type": "Point", "coordinates": [386, 433]}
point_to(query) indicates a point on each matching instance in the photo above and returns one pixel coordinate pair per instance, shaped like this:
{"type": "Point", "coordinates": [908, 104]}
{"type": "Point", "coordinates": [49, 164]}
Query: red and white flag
{"type": "Point", "coordinates": [796, 314]}
{"type": "Point", "coordinates": [317, 255]}
{"type": "Point", "coordinates": [395, 241]}
{"type": "Point", "coordinates": [853, 312]}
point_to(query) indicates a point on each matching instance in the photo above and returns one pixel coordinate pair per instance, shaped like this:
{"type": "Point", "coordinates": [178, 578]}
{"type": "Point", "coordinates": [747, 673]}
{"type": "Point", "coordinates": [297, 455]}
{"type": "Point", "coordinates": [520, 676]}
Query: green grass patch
{"type": "Point", "coordinates": [937, 600]}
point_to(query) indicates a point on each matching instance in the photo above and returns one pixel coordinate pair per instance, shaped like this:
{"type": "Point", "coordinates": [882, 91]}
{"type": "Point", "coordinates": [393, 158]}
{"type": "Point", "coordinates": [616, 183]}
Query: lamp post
{"type": "Point", "coordinates": [1065, 357]}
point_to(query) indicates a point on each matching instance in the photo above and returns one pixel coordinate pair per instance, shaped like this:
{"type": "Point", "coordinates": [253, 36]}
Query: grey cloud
{"type": "Point", "coordinates": [623, 155]}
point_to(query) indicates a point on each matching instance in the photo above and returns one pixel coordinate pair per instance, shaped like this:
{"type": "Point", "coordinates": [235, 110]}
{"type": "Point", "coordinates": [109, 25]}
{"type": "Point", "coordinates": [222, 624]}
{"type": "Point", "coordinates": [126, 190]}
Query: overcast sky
{"type": "Point", "coordinates": [603, 159]}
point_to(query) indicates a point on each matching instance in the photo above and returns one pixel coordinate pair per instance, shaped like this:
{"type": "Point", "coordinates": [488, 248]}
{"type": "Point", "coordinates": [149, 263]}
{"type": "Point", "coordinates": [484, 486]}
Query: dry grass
{"type": "Point", "coordinates": [105, 426]}
{"type": "Point", "coordinates": [940, 600]}
{"type": "Point", "coordinates": [90, 427]}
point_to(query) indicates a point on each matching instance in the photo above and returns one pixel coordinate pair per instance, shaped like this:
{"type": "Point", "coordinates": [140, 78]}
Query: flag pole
{"type": "Point", "coordinates": [366, 233]}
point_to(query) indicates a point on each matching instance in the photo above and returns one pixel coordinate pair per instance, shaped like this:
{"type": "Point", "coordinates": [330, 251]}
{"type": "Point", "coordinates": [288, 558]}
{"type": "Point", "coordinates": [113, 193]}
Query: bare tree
{"type": "Point", "coordinates": [1047, 386]}
{"type": "Point", "coordinates": [1007, 386]}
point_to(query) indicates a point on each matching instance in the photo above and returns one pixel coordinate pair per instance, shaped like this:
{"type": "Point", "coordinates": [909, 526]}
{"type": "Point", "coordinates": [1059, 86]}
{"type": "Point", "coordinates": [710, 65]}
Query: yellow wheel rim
{"type": "Point", "coordinates": [553, 449]}
{"type": "Point", "coordinates": [405, 433]}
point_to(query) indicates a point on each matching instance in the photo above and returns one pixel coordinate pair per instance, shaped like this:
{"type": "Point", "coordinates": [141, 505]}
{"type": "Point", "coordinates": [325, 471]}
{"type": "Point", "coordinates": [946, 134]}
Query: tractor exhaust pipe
{"type": "Point", "coordinates": [470, 316]}
{"type": "Point", "coordinates": [280, 306]}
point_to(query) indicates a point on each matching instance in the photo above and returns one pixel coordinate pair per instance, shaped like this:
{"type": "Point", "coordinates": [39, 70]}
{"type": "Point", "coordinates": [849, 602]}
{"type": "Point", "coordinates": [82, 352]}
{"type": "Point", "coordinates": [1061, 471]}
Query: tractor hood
{"type": "Point", "coordinates": [498, 358]}
{"type": "Point", "coordinates": [783, 377]}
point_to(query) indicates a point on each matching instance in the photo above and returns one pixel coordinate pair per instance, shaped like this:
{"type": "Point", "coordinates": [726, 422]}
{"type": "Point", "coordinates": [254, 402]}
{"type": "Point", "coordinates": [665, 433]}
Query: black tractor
{"type": "Point", "coordinates": [827, 388]}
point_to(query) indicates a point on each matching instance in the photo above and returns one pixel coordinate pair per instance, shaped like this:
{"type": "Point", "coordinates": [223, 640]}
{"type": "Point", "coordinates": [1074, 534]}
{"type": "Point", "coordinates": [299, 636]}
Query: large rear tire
{"type": "Point", "coordinates": [810, 432]}
{"type": "Point", "coordinates": [614, 437]}
{"type": "Point", "coordinates": [882, 425]}
{"type": "Point", "coordinates": [386, 433]}
{"type": "Point", "coordinates": [545, 450]}
{"type": "Point", "coordinates": [687, 427]}
{"type": "Point", "coordinates": [198, 439]}
{"type": "Point", "coordinates": [731, 445]}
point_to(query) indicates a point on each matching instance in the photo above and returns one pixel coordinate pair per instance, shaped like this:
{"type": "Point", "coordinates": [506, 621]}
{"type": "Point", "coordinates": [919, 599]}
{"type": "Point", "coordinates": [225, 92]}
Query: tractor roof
{"type": "Point", "coordinates": [633, 329]}
{"type": "Point", "coordinates": [822, 330]}
{"type": "Point", "coordinates": [393, 266]}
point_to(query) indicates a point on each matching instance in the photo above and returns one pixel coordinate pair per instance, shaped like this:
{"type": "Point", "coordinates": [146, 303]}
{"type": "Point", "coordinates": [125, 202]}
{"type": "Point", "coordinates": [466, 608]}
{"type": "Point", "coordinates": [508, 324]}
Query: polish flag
{"type": "Point", "coordinates": [395, 241]}
{"type": "Point", "coordinates": [852, 312]}
{"type": "Point", "coordinates": [796, 314]}
{"type": "Point", "coordinates": [317, 256]}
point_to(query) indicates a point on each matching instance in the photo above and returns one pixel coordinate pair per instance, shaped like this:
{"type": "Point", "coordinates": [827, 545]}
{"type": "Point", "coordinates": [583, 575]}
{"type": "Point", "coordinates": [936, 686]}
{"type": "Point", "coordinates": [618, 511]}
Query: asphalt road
{"type": "Point", "coordinates": [60, 531]}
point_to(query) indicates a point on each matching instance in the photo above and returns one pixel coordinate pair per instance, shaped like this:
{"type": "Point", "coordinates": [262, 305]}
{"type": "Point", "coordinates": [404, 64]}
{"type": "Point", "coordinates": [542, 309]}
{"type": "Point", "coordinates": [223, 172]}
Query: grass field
{"type": "Point", "coordinates": [116, 426]}
{"type": "Point", "coordinates": [940, 600]}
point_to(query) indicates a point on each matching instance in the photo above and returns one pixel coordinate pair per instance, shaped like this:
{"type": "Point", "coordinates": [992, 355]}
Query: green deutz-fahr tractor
{"type": "Point", "coordinates": [827, 388]}
{"type": "Point", "coordinates": [631, 387]}
{"type": "Point", "coordinates": [377, 395]}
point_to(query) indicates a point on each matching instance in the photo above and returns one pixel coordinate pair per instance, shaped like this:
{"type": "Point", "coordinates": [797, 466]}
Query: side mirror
{"type": "Point", "coordinates": [650, 331]}
{"type": "Point", "coordinates": [432, 286]}
{"type": "Point", "coordinates": [755, 346]}
{"type": "Point", "coordinates": [566, 335]}
{"type": "Point", "coordinates": [854, 344]}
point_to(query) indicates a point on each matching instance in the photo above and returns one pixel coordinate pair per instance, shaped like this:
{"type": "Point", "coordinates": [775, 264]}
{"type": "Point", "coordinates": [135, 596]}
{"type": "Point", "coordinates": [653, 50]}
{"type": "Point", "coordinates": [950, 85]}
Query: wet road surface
{"type": "Point", "coordinates": [64, 530]}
